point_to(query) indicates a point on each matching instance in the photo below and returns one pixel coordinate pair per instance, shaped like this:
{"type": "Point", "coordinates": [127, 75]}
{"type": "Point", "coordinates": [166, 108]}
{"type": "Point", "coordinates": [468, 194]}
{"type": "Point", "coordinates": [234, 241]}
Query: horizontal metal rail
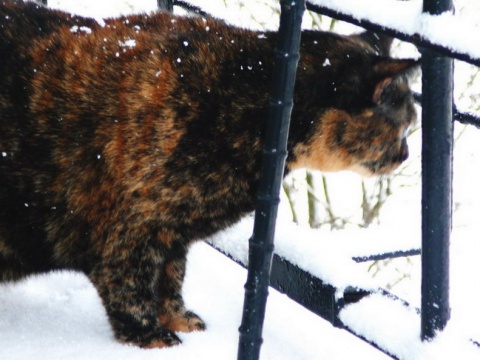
{"type": "Point", "coordinates": [387, 255]}
{"type": "Point", "coordinates": [466, 118]}
{"type": "Point", "coordinates": [462, 117]}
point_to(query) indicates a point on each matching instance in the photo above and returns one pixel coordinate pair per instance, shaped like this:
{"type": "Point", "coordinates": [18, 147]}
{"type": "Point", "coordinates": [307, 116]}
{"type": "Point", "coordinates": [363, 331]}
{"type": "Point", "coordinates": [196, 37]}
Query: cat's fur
{"type": "Point", "coordinates": [122, 143]}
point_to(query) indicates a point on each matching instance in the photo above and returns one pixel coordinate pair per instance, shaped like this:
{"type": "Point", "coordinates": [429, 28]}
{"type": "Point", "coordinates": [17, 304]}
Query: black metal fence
{"type": "Point", "coordinates": [438, 112]}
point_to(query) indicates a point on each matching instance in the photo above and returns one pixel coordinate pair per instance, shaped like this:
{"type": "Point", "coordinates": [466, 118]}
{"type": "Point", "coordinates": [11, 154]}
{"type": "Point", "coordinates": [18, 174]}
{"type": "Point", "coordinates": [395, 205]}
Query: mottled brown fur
{"type": "Point", "coordinates": [122, 144]}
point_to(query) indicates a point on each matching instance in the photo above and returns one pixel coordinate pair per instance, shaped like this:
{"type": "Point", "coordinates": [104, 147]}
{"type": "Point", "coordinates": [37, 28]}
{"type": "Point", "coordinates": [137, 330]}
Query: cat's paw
{"type": "Point", "coordinates": [167, 339]}
{"type": "Point", "coordinates": [186, 322]}
{"type": "Point", "coordinates": [159, 338]}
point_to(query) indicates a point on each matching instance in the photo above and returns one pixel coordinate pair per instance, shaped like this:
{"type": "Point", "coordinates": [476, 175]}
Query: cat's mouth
{"type": "Point", "coordinates": [385, 164]}
{"type": "Point", "coordinates": [377, 168]}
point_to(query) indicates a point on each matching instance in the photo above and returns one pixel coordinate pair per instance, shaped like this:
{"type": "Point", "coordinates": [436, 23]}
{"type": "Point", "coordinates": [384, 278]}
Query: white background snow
{"type": "Point", "coordinates": [59, 315]}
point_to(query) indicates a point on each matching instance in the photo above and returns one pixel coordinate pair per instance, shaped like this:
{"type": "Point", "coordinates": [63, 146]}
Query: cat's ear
{"type": "Point", "coordinates": [386, 69]}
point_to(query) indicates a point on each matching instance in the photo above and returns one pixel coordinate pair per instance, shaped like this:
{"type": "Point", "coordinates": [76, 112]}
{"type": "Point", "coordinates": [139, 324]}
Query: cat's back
{"type": "Point", "coordinates": [21, 23]}
{"type": "Point", "coordinates": [45, 45]}
{"type": "Point", "coordinates": [66, 76]}
{"type": "Point", "coordinates": [106, 98]}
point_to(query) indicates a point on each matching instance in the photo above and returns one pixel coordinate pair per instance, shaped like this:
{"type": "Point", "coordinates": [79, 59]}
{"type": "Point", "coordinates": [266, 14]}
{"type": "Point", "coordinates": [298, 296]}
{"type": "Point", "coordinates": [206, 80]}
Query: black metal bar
{"type": "Point", "coordinates": [415, 38]}
{"type": "Point", "coordinates": [437, 148]}
{"type": "Point", "coordinates": [304, 288]}
{"type": "Point", "coordinates": [165, 5]}
{"type": "Point", "coordinates": [466, 118]}
{"type": "Point", "coordinates": [389, 255]}
{"type": "Point", "coordinates": [273, 163]}
{"type": "Point", "coordinates": [460, 116]}
{"type": "Point", "coordinates": [192, 8]}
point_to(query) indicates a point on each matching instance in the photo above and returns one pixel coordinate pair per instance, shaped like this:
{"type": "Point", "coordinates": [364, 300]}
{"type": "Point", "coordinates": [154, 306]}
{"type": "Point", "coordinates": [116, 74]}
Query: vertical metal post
{"type": "Point", "coordinates": [437, 148]}
{"type": "Point", "coordinates": [273, 164]}
{"type": "Point", "coordinates": [165, 5]}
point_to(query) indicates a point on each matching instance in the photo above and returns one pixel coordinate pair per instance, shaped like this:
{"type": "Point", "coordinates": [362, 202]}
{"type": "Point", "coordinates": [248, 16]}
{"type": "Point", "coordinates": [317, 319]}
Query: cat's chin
{"type": "Point", "coordinates": [368, 172]}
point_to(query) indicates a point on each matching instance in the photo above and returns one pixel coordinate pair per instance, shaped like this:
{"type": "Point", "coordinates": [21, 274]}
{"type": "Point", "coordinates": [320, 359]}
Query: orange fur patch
{"type": "Point", "coordinates": [182, 324]}
{"type": "Point", "coordinates": [318, 154]}
{"type": "Point", "coordinates": [159, 344]}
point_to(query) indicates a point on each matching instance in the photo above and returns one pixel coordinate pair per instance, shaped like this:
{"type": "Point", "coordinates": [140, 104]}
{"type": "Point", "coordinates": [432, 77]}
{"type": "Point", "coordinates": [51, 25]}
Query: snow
{"type": "Point", "coordinates": [100, 10]}
{"type": "Point", "coordinates": [323, 253]}
{"type": "Point", "coordinates": [85, 29]}
{"type": "Point", "coordinates": [130, 43]}
{"type": "Point", "coordinates": [447, 29]}
{"type": "Point", "coordinates": [393, 326]}
{"type": "Point", "coordinates": [382, 320]}
{"type": "Point", "coordinates": [396, 327]}
{"type": "Point", "coordinates": [59, 316]}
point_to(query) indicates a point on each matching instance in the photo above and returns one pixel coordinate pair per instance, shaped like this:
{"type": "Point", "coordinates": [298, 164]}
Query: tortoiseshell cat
{"type": "Point", "coordinates": [122, 143]}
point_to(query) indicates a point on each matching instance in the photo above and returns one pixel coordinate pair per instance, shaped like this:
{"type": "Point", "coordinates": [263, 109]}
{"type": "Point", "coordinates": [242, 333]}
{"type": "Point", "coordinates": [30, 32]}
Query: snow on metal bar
{"type": "Point", "coordinates": [317, 296]}
{"type": "Point", "coordinates": [395, 329]}
{"type": "Point", "coordinates": [383, 320]}
{"type": "Point", "coordinates": [189, 7]}
{"type": "Point", "coordinates": [323, 254]}
{"type": "Point", "coordinates": [466, 118]}
{"type": "Point", "coordinates": [404, 20]}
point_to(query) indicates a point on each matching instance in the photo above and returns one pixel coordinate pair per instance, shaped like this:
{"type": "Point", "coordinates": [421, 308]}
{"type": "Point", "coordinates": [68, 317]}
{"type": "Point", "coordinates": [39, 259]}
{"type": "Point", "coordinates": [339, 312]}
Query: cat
{"type": "Point", "coordinates": [123, 142]}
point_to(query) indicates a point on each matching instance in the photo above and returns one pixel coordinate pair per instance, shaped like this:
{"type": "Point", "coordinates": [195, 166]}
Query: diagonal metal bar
{"type": "Point", "coordinates": [415, 38]}
{"type": "Point", "coordinates": [388, 255]}
{"type": "Point", "coordinates": [273, 164]}
{"type": "Point", "coordinates": [192, 8]}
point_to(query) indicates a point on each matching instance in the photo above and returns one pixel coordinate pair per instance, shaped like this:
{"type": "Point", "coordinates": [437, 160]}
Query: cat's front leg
{"type": "Point", "coordinates": [127, 280]}
{"type": "Point", "coordinates": [173, 315]}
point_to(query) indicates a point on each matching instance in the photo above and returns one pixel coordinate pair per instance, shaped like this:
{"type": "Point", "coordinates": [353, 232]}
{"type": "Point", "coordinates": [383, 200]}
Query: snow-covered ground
{"type": "Point", "coordinates": [59, 316]}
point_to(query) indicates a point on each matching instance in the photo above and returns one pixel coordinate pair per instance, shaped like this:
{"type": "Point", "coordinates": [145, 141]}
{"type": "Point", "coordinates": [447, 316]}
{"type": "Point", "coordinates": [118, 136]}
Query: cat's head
{"type": "Point", "coordinates": [366, 109]}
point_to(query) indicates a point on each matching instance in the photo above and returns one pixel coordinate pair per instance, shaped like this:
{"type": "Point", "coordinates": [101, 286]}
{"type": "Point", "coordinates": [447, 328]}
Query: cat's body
{"type": "Point", "coordinates": [122, 143]}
